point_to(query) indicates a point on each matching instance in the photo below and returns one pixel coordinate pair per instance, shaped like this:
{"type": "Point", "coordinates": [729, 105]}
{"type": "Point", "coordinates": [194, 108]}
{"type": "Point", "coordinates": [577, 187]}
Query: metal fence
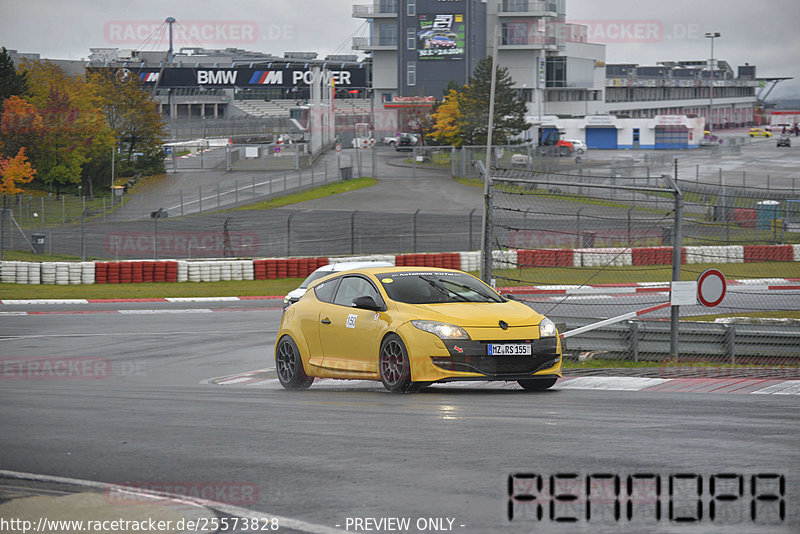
{"type": "Point", "coordinates": [602, 246]}
{"type": "Point", "coordinates": [271, 233]}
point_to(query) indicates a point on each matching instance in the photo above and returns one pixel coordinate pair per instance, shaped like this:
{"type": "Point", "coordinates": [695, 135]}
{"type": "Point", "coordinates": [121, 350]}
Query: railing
{"type": "Point", "coordinates": [528, 6]}
{"type": "Point", "coordinates": [367, 43]}
{"type": "Point", "coordinates": [369, 10]}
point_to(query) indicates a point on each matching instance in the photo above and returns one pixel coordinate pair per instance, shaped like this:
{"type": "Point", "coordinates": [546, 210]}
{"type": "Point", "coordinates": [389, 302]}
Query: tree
{"type": "Point", "coordinates": [131, 113]}
{"type": "Point", "coordinates": [11, 82]}
{"type": "Point", "coordinates": [74, 130]}
{"type": "Point", "coordinates": [13, 171]}
{"type": "Point", "coordinates": [509, 108]}
{"type": "Point", "coordinates": [20, 126]}
{"type": "Point", "coordinates": [463, 118]}
{"type": "Point", "coordinates": [446, 129]}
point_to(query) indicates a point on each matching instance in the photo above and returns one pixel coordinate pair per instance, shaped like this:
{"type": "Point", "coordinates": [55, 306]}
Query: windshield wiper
{"type": "Point", "coordinates": [443, 290]}
{"type": "Point", "coordinates": [493, 298]}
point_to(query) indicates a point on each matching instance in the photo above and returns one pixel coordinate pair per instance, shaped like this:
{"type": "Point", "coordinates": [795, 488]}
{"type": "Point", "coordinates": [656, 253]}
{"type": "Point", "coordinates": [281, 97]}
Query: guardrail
{"type": "Point", "coordinates": [724, 342]}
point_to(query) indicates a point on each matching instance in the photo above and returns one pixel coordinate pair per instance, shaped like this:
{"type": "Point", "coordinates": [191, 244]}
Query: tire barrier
{"type": "Point", "coordinates": [446, 260]}
{"type": "Point", "coordinates": [286, 267]}
{"type": "Point", "coordinates": [128, 272]}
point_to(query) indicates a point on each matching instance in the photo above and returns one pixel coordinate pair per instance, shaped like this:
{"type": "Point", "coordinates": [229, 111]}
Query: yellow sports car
{"type": "Point", "coordinates": [759, 132]}
{"type": "Point", "coordinates": [411, 326]}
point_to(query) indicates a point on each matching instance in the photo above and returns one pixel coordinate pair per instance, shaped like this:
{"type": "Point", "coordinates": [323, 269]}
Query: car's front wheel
{"type": "Point", "coordinates": [289, 365]}
{"type": "Point", "coordinates": [394, 365]}
{"type": "Point", "coordinates": [538, 384]}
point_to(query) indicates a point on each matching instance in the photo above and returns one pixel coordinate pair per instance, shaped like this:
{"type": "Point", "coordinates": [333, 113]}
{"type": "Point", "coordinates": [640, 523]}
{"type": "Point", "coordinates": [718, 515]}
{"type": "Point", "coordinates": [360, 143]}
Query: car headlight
{"type": "Point", "coordinates": [547, 328]}
{"type": "Point", "coordinates": [442, 330]}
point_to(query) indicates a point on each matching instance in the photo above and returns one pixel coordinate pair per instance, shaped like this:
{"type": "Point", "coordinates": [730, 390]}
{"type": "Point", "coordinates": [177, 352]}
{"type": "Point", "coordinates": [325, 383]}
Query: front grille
{"type": "Point", "coordinates": [472, 357]}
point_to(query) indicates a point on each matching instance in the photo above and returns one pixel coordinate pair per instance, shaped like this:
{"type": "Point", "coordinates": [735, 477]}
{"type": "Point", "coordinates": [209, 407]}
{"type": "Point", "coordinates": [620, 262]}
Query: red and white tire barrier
{"type": "Point", "coordinates": [125, 272]}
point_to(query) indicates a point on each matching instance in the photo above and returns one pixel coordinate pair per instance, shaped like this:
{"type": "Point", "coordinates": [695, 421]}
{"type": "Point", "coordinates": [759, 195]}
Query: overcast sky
{"type": "Point", "coordinates": [765, 33]}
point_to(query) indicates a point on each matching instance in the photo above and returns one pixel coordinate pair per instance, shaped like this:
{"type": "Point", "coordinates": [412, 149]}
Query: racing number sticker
{"type": "Point", "coordinates": [351, 320]}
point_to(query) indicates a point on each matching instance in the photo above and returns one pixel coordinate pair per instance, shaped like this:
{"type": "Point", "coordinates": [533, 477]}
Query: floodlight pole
{"type": "Point", "coordinates": [712, 36]}
{"type": "Point", "coordinates": [486, 248]}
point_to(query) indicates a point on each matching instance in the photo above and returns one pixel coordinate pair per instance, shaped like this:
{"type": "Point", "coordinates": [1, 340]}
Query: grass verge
{"type": "Point", "coordinates": [152, 290]}
{"type": "Point", "coordinates": [313, 194]}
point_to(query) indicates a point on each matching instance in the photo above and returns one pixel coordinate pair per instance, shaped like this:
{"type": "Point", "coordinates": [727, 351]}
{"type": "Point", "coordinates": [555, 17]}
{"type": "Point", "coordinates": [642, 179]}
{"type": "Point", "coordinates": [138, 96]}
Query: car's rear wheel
{"type": "Point", "coordinates": [394, 365]}
{"type": "Point", "coordinates": [289, 365]}
{"type": "Point", "coordinates": [563, 151]}
{"type": "Point", "coordinates": [538, 384]}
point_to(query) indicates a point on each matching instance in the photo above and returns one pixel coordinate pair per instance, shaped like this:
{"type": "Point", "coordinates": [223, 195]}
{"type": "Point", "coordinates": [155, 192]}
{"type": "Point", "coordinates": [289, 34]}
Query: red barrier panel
{"type": "Point", "coordinates": [171, 271]}
{"type": "Point", "coordinates": [271, 267]}
{"type": "Point", "coordinates": [565, 258]}
{"type": "Point", "coordinates": [758, 253]}
{"type": "Point", "coordinates": [137, 272]}
{"type": "Point", "coordinates": [113, 273]}
{"type": "Point", "coordinates": [321, 262]}
{"type": "Point", "coordinates": [260, 269]}
{"type": "Point", "coordinates": [292, 268]}
{"type": "Point", "coordinates": [160, 271]}
{"type": "Point", "coordinates": [654, 256]}
{"type": "Point", "coordinates": [100, 273]}
{"type": "Point", "coordinates": [745, 217]}
{"type": "Point", "coordinates": [455, 260]}
{"type": "Point", "coordinates": [148, 270]}
{"type": "Point", "coordinates": [125, 272]}
{"type": "Point", "coordinates": [282, 268]}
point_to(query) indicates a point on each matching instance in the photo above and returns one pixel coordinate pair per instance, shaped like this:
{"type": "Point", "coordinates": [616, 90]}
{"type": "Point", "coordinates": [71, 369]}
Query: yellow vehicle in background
{"type": "Point", "coordinates": [759, 132]}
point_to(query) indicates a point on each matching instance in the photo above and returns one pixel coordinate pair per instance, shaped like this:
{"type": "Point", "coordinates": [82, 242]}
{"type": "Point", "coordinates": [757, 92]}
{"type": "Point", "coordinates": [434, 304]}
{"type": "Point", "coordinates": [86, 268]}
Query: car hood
{"type": "Point", "coordinates": [475, 314]}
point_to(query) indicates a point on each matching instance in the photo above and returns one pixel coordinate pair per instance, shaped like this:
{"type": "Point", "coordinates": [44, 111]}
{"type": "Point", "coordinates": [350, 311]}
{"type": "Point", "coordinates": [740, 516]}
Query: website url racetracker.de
{"type": "Point", "coordinates": [203, 524]}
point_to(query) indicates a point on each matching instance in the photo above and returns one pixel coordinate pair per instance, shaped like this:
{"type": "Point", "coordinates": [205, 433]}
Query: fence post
{"type": "Point", "coordinates": [284, 184]}
{"type": "Point", "coordinates": [181, 194]}
{"type": "Point", "coordinates": [254, 188]}
{"type": "Point", "coordinates": [289, 234]}
{"type": "Point", "coordinates": [730, 342]}
{"type": "Point", "coordinates": [353, 232]}
{"type": "Point", "coordinates": [676, 264]}
{"type": "Point", "coordinates": [414, 230]}
{"type": "Point", "coordinates": [63, 210]}
{"type": "Point", "coordinates": [633, 339]}
{"type": "Point", "coordinates": [470, 228]}
{"type": "Point", "coordinates": [104, 210]}
{"type": "Point", "coordinates": [236, 193]}
{"type": "Point", "coordinates": [218, 195]}
{"type": "Point", "coordinates": [629, 226]}
{"type": "Point", "coordinates": [200, 198]}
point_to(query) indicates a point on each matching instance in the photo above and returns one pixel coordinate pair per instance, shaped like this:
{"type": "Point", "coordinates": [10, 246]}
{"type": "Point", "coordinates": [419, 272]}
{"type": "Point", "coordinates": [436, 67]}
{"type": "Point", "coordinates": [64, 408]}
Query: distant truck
{"type": "Point", "coordinates": [553, 145]}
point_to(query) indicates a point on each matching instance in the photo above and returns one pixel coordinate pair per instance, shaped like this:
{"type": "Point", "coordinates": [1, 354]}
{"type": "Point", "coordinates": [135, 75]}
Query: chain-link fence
{"type": "Point", "coordinates": [585, 247]}
{"type": "Point", "coordinates": [260, 233]}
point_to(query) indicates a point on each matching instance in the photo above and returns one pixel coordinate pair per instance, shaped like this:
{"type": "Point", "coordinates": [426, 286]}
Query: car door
{"type": "Point", "coordinates": [348, 335]}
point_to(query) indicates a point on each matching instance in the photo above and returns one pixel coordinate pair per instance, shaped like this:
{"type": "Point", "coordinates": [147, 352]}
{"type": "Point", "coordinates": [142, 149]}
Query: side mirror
{"type": "Point", "coordinates": [366, 303]}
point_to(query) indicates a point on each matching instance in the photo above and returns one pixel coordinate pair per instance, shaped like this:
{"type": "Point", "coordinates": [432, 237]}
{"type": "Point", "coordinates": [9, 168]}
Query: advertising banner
{"type": "Point", "coordinates": [441, 37]}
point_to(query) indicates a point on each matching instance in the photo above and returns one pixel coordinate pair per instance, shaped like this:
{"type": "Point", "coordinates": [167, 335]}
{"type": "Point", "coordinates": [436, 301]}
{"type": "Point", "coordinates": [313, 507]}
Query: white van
{"type": "Point", "coordinates": [294, 295]}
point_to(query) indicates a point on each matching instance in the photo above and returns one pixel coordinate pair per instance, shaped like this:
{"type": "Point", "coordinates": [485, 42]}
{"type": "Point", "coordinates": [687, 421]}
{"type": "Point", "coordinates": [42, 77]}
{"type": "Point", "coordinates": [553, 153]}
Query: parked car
{"type": "Point", "coordinates": [759, 132]}
{"type": "Point", "coordinates": [577, 145]}
{"type": "Point", "coordinates": [295, 294]}
{"type": "Point", "coordinates": [405, 143]}
{"type": "Point", "coordinates": [784, 140]}
{"type": "Point", "coordinates": [392, 140]}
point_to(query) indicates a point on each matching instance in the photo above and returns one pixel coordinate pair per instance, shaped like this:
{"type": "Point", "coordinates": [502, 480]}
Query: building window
{"type": "Point", "coordinates": [411, 73]}
{"type": "Point", "coordinates": [411, 38]}
{"type": "Point", "coordinates": [411, 8]}
{"type": "Point", "coordinates": [556, 75]}
{"type": "Point", "coordinates": [388, 6]}
{"type": "Point", "coordinates": [388, 35]}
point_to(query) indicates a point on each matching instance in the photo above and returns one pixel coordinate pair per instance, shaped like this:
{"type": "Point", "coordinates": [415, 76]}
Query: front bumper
{"type": "Point", "coordinates": [473, 357]}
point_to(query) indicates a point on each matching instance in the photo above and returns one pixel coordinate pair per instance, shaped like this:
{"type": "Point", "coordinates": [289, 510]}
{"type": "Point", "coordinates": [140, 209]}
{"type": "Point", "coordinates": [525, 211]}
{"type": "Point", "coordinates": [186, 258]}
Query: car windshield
{"type": "Point", "coordinates": [431, 287]}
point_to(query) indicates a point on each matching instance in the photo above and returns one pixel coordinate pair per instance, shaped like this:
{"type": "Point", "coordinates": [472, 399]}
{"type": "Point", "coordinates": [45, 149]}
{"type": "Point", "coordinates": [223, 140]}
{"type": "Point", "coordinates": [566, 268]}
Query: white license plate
{"type": "Point", "coordinates": [510, 349]}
